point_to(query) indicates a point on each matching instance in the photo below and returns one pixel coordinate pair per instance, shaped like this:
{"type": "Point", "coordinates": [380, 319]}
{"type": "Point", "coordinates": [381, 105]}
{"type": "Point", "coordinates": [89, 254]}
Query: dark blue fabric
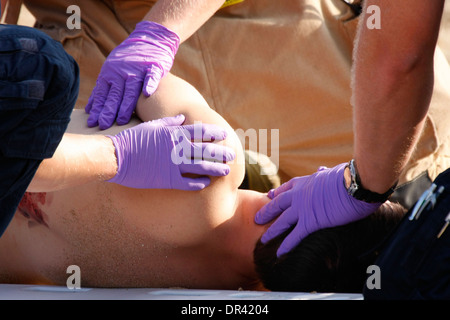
{"type": "Point", "coordinates": [39, 85]}
{"type": "Point", "coordinates": [414, 263]}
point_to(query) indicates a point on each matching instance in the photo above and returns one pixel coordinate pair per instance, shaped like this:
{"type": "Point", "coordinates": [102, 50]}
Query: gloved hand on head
{"type": "Point", "coordinates": [308, 204]}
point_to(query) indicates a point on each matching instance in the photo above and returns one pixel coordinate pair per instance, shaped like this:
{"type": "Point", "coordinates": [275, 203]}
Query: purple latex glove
{"type": "Point", "coordinates": [136, 64]}
{"type": "Point", "coordinates": [310, 203]}
{"type": "Point", "coordinates": [155, 155]}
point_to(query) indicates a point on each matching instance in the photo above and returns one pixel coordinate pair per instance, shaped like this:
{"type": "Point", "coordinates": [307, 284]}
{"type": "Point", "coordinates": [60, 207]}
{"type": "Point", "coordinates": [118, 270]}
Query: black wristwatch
{"type": "Point", "coordinates": [357, 191]}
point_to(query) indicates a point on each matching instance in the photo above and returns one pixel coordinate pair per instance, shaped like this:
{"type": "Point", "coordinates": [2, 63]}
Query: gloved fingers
{"type": "Point", "coordinates": [212, 152]}
{"type": "Point", "coordinates": [90, 102]}
{"type": "Point", "coordinates": [292, 240]}
{"type": "Point", "coordinates": [202, 156]}
{"type": "Point", "coordinates": [282, 224]}
{"type": "Point", "coordinates": [98, 96]}
{"type": "Point", "coordinates": [152, 79]}
{"type": "Point", "coordinates": [168, 121]}
{"type": "Point", "coordinates": [133, 88]}
{"type": "Point", "coordinates": [284, 187]}
{"type": "Point", "coordinates": [193, 184]}
{"type": "Point", "coordinates": [205, 132]}
{"type": "Point", "coordinates": [274, 208]}
{"type": "Point", "coordinates": [205, 168]}
{"type": "Point", "coordinates": [113, 101]}
{"type": "Point", "coordinates": [298, 183]}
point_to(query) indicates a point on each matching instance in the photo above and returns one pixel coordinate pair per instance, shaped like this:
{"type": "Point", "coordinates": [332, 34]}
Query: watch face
{"type": "Point", "coordinates": [353, 184]}
{"type": "Point", "coordinates": [352, 189]}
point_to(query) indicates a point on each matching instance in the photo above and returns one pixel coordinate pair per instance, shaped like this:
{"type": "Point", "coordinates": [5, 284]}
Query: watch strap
{"type": "Point", "coordinates": [357, 191]}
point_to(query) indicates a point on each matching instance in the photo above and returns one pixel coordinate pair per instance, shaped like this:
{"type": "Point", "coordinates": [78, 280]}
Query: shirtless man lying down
{"type": "Point", "coordinates": [123, 237]}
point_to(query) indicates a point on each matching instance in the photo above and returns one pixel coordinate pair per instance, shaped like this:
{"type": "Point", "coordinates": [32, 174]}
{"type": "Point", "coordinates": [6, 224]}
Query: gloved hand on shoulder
{"type": "Point", "coordinates": [137, 64]}
{"type": "Point", "coordinates": [156, 154]}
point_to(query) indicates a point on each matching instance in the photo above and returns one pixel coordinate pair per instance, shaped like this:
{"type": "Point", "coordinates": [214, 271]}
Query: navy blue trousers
{"type": "Point", "coordinates": [414, 262]}
{"type": "Point", "coordinates": [39, 85]}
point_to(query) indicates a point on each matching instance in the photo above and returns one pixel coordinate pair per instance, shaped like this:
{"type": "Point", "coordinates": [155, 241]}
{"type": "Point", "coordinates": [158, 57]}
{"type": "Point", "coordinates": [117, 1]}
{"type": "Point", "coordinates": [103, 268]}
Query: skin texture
{"type": "Point", "coordinates": [184, 17]}
{"type": "Point", "coordinates": [392, 86]}
{"type": "Point", "coordinates": [98, 163]}
{"type": "Point", "coordinates": [123, 237]}
{"type": "Point", "coordinates": [79, 159]}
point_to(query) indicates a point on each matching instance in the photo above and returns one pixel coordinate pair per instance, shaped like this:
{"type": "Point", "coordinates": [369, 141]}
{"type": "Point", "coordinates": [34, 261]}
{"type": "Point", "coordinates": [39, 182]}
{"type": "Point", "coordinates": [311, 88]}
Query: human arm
{"type": "Point", "coordinates": [141, 61]}
{"type": "Point", "coordinates": [10, 11]}
{"type": "Point", "coordinates": [161, 222]}
{"type": "Point", "coordinates": [392, 84]}
{"type": "Point", "coordinates": [3, 5]}
{"type": "Point", "coordinates": [79, 159]}
{"type": "Point", "coordinates": [391, 94]}
{"type": "Point", "coordinates": [189, 102]}
{"type": "Point", "coordinates": [141, 155]}
{"type": "Point", "coordinates": [184, 17]}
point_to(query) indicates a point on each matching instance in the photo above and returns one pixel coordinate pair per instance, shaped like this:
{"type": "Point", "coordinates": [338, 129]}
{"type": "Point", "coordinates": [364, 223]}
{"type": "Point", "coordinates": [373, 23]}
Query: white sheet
{"type": "Point", "coordinates": [30, 292]}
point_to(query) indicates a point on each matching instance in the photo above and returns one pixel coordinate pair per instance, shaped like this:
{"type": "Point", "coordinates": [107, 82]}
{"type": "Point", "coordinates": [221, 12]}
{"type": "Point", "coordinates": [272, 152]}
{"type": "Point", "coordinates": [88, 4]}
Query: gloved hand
{"type": "Point", "coordinates": [155, 154]}
{"type": "Point", "coordinates": [310, 203]}
{"type": "Point", "coordinates": [136, 64]}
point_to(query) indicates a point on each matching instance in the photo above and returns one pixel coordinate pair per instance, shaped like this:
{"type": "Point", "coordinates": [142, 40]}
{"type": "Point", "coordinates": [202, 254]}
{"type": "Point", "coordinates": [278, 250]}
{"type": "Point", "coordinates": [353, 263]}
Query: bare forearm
{"type": "Point", "coordinates": [3, 5]}
{"type": "Point", "coordinates": [79, 159]}
{"type": "Point", "coordinates": [11, 11]}
{"type": "Point", "coordinates": [183, 17]}
{"type": "Point", "coordinates": [392, 87]}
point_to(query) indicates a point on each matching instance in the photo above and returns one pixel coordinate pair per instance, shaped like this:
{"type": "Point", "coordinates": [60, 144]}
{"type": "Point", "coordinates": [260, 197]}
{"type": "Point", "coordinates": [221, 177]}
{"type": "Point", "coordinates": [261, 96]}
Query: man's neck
{"type": "Point", "coordinates": [244, 232]}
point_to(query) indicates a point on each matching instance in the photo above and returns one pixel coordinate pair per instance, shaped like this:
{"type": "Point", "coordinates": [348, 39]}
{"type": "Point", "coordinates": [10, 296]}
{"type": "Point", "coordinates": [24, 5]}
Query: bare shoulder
{"type": "Point", "coordinates": [176, 96]}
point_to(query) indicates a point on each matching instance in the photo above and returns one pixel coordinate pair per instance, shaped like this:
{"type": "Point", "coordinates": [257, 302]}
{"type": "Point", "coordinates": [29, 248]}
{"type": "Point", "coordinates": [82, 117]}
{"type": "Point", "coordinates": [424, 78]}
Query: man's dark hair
{"type": "Point", "coordinates": [329, 260]}
{"type": "Point", "coordinates": [355, 6]}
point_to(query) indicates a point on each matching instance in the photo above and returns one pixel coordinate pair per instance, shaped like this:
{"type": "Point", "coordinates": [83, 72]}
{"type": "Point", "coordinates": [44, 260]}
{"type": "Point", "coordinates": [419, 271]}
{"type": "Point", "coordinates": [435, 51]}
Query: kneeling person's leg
{"type": "Point", "coordinates": [38, 88]}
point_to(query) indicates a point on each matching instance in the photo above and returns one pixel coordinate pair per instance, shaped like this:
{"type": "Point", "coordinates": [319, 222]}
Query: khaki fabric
{"type": "Point", "coordinates": [261, 172]}
{"type": "Point", "coordinates": [262, 64]}
{"type": "Point", "coordinates": [104, 25]}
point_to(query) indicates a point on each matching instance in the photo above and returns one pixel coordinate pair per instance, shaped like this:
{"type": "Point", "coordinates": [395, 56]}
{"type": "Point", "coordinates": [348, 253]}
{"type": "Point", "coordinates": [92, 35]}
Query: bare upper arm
{"type": "Point", "coordinates": [408, 30]}
{"type": "Point", "coordinates": [175, 96]}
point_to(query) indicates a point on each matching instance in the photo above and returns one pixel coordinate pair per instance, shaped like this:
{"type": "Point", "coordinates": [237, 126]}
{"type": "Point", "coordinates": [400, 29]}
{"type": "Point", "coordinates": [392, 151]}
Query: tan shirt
{"type": "Point", "coordinates": [262, 64]}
